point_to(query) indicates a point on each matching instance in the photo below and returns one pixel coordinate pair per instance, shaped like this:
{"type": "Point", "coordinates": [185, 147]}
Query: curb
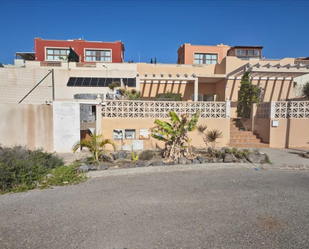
{"type": "Point", "coordinates": [172, 168]}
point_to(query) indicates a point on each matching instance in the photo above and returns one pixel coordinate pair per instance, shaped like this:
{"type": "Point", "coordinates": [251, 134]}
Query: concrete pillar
{"type": "Point", "coordinates": [228, 109]}
{"type": "Point", "coordinates": [253, 115]}
{"type": "Point", "coordinates": [196, 90]}
{"type": "Point", "coordinates": [272, 109]}
{"type": "Point", "coordinates": [98, 119]}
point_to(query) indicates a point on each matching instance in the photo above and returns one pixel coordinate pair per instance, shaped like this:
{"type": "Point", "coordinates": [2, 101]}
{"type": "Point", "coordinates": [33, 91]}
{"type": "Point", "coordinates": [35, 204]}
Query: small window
{"type": "Point", "coordinates": [129, 134]}
{"type": "Point", "coordinates": [205, 58]}
{"type": "Point", "coordinates": [118, 134]}
{"type": "Point", "coordinates": [250, 52]}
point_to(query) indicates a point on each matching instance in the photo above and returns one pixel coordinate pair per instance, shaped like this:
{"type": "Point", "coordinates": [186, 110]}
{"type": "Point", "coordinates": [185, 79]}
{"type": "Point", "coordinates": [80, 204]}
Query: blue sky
{"type": "Point", "coordinates": [158, 28]}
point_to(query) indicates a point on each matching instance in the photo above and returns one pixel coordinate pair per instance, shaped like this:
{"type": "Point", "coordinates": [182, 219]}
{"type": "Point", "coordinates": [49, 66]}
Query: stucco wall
{"type": "Point", "coordinates": [108, 125]}
{"type": "Point", "coordinates": [66, 125]}
{"type": "Point", "coordinates": [27, 125]}
{"type": "Point", "coordinates": [79, 47]}
{"type": "Point", "coordinates": [186, 52]}
{"type": "Point", "coordinates": [289, 133]}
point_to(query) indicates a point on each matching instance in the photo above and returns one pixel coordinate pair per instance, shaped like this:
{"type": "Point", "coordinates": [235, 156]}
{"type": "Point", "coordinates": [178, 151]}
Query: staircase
{"type": "Point", "coordinates": [242, 138]}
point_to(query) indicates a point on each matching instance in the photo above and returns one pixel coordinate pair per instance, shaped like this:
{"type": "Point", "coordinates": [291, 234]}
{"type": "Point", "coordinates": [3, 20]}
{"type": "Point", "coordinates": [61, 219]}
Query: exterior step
{"type": "Point", "coordinates": [236, 133]}
{"type": "Point", "coordinates": [246, 145]}
{"type": "Point", "coordinates": [243, 141]}
{"type": "Point", "coordinates": [241, 138]}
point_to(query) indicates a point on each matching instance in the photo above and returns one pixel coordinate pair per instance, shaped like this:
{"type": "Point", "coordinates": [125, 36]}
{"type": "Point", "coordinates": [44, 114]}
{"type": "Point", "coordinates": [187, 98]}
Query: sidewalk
{"type": "Point", "coordinates": [286, 157]}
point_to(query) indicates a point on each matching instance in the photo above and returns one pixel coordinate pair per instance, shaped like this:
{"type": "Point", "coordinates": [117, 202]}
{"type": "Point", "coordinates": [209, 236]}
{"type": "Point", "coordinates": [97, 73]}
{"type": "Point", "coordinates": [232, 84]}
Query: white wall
{"type": "Point", "coordinates": [66, 125]}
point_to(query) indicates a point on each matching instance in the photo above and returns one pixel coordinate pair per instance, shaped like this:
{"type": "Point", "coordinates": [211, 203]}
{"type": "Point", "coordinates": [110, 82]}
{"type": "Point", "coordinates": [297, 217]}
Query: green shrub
{"type": "Point", "coordinates": [147, 155]}
{"type": "Point", "coordinates": [62, 175]}
{"type": "Point", "coordinates": [218, 153]}
{"type": "Point", "coordinates": [169, 96]}
{"type": "Point", "coordinates": [22, 169]}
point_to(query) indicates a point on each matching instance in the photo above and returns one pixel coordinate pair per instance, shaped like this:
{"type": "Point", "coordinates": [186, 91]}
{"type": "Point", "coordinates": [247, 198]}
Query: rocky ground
{"type": "Point", "coordinates": [123, 159]}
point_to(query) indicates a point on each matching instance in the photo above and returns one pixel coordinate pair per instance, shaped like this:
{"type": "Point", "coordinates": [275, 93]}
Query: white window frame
{"type": "Point", "coordinates": [202, 60]}
{"type": "Point", "coordinates": [55, 48]}
{"type": "Point", "coordinates": [98, 49]}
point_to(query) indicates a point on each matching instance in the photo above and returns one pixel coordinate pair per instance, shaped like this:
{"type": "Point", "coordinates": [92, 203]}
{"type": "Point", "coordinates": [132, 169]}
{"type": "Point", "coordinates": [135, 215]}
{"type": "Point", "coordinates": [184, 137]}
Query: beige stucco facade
{"type": "Point", "coordinates": [110, 124]}
{"type": "Point", "coordinates": [27, 125]}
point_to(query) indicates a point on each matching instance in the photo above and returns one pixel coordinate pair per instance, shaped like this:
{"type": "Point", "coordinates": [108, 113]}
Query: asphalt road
{"type": "Point", "coordinates": [206, 208]}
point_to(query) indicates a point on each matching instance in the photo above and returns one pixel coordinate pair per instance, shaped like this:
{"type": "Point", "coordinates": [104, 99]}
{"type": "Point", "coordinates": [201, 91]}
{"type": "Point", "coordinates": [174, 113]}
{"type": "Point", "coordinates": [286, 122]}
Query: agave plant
{"type": "Point", "coordinates": [95, 144]}
{"type": "Point", "coordinates": [175, 135]}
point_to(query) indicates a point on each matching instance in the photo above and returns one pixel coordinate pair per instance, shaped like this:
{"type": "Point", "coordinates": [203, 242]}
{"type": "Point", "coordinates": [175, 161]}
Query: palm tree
{"type": "Point", "coordinates": [95, 144]}
{"type": "Point", "coordinates": [175, 135]}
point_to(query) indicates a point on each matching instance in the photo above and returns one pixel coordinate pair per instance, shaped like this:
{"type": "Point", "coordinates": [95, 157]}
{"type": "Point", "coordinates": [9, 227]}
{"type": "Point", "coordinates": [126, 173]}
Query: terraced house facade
{"type": "Point", "coordinates": [207, 77]}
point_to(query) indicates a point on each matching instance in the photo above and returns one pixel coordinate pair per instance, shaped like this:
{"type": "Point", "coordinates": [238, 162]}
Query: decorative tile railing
{"type": "Point", "coordinates": [291, 109]}
{"type": "Point", "coordinates": [263, 110]}
{"type": "Point", "coordinates": [160, 109]}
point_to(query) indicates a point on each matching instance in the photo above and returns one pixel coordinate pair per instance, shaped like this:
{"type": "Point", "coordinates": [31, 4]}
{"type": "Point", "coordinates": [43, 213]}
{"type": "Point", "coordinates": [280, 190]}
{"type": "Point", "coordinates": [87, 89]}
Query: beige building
{"type": "Point", "coordinates": [207, 77]}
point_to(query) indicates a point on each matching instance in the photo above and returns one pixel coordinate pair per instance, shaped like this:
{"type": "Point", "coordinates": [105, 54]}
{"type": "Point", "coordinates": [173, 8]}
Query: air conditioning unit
{"type": "Point", "coordinates": [207, 97]}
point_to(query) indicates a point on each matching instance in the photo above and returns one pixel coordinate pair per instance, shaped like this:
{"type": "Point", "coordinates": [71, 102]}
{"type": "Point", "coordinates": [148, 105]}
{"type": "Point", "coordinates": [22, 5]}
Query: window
{"type": "Point", "coordinates": [129, 134]}
{"type": "Point", "coordinates": [205, 58]}
{"type": "Point", "coordinates": [56, 54]}
{"type": "Point", "coordinates": [98, 55]}
{"type": "Point", "coordinates": [243, 53]}
{"type": "Point", "coordinates": [120, 134]}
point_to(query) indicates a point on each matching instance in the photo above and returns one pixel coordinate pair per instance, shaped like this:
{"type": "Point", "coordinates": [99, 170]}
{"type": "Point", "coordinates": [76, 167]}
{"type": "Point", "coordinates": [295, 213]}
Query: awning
{"type": "Point", "coordinates": [29, 56]}
{"type": "Point", "coordinates": [270, 70]}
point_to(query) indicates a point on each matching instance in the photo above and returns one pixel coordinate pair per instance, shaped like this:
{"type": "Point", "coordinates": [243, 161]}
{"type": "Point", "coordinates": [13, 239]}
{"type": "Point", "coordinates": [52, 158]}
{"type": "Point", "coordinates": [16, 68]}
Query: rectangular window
{"type": "Point", "coordinates": [118, 134]}
{"type": "Point", "coordinates": [98, 55]}
{"type": "Point", "coordinates": [129, 134]}
{"type": "Point", "coordinates": [205, 58]}
{"type": "Point", "coordinates": [56, 54]}
{"type": "Point", "coordinates": [241, 52]}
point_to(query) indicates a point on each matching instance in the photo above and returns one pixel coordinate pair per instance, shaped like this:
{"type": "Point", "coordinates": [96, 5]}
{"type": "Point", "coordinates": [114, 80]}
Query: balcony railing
{"type": "Point", "coordinates": [161, 109]}
{"type": "Point", "coordinates": [304, 62]}
{"type": "Point", "coordinates": [290, 109]}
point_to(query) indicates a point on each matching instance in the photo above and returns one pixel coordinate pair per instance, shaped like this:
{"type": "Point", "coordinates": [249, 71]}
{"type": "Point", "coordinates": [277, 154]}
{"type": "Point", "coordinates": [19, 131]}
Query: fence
{"type": "Point", "coordinates": [160, 109]}
{"type": "Point", "coordinates": [283, 109]}
{"type": "Point", "coordinates": [263, 110]}
{"type": "Point", "coordinates": [290, 109]}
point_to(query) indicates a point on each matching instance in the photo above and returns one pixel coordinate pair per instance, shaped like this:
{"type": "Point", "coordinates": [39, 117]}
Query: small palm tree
{"type": "Point", "coordinates": [95, 144]}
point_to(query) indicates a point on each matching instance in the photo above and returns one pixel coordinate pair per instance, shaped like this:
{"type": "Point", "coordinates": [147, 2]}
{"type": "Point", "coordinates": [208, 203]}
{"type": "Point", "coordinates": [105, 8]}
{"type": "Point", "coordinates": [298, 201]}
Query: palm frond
{"type": "Point", "coordinates": [201, 128]}
{"type": "Point", "coordinates": [193, 121]}
{"type": "Point", "coordinates": [107, 141]}
{"type": "Point", "coordinates": [174, 117]}
{"type": "Point", "coordinates": [213, 135]}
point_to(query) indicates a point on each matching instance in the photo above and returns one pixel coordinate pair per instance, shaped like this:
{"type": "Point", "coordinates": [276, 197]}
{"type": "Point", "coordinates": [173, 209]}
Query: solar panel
{"type": "Point", "coordinates": [79, 82]}
{"type": "Point", "coordinates": [99, 82]}
{"type": "Point", "coordinates": [71, 81]}
{"type": "Point", "coordinates": [94, 82]}
{"type": "Point", "coordinates": [86, 82]}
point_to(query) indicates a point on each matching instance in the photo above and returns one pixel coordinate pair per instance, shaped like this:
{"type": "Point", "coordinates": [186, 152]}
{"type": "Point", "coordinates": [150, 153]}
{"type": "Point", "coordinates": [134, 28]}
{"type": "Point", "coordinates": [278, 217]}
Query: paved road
{"type": "Point", "coordinates": [205, 208]}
